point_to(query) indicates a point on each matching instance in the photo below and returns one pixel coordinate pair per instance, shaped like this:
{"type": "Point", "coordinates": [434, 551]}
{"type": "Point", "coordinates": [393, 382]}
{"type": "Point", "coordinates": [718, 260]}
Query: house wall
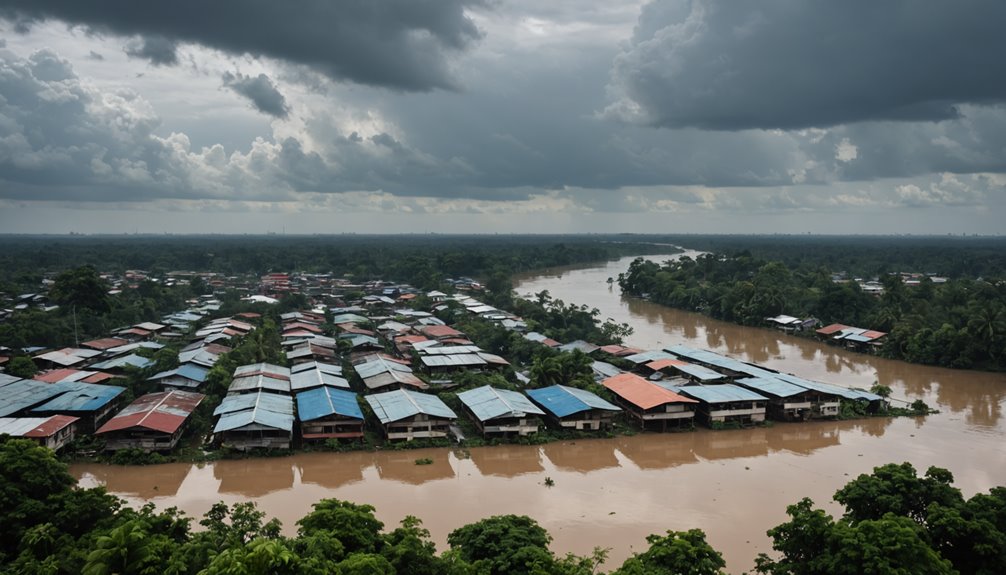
{"type": "Point", "coordinates": [332, 427]}
{"type": "Point", "coordinates": [417, 427]}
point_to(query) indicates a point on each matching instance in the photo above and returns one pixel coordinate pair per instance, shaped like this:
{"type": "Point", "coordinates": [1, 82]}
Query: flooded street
{"type": "Point", "coordinates": [612, 493]}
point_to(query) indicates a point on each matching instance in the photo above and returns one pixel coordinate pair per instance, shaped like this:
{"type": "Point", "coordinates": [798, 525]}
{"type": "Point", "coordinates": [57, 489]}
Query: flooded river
{"type": "Point", "coordinates": [612, 493]}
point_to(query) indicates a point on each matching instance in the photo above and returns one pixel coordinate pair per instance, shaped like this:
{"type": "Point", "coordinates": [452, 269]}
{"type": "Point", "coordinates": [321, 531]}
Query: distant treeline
{"type": "Point", "coordinates": [865, 256]}
{"type": "Point", "coordinates": [960, 323]}
{"type": "Point", "coordinates": [423, 260]}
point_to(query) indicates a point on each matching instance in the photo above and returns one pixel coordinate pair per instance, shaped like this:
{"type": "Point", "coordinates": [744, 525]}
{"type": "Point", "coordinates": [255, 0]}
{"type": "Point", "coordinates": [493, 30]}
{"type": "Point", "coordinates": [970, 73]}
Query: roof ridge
{"type": "Point", "coordinates": [496, 392]}
{"type": "Point", "coordinates": [150, 411]}
{"type": "Point", "coordinates": [412, 401]}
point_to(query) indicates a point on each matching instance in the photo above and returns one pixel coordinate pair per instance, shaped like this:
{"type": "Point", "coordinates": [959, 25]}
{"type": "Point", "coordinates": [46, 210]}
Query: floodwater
{"type": "Point", "coordinates": [613, 493]}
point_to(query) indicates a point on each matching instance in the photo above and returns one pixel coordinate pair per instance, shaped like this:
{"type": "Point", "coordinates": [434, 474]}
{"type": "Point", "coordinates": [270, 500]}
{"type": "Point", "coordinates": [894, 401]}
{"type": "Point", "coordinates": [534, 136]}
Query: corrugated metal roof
{"type": "Point", "coordinates": [648, 356]}
{"type": "Point", "coordinates": [721, 393]}
{"type": "Point", "coordinates": [188, 371]}
{"type": "Point", "coordinates": [392, 378]}
{"type": "Point", "coordinates": [562, 401]}
{"type": "Point", "coordinates": [349, 318]}
{"type": "Point", "coordinates": [105, 343]}
{"type": "Point", "coordinates": [641, 392]}
{"type": "Point", "coordinates": [314, 378]}
{"type": "Point", "coordinates": [68, 356]}
{"type": "Point", "coordinates": [378, 365]}
{"type": "Point", "coordinates": [62, 374]}
{"type": "Point", "coordinates": [451, 349]}
{"type": "Point", "coordinates": [312, 365]}
{"type": "Point", "coordinates": [5, 379]}
{"type": "Point", "coordinates": [401, 404]}
{"type": "Point", "coordinates": [262, 408]}
{"type": "Point", "coordinates": [830, 329]}
{"type": "Point", "coordinates": [771, 386]}
{"type": "Point", "coordinates": [696, 371]}
{"type": "Point", "coordinates": [132, 346]}
{"type": "Point", "coordinates": [199, 357]}
{"type": "Point", "coordinates": [268, 369]}
{"type": "Point", "coordinates": [456, 360]}
{"type": "Point", "coordinates": [488, 403]}
{"type": "Point", "coordinates": [585, 347]}
{"type": "Point", "coordinates": [164, 411]}
{"type": "Point", "coordinates": [80, 397]}
{"type": "Point", "coordinates": [34, 426]}
{"type": "Point", "coordinates": [605, 369]}
{"type": "Point", "coordinates": [439, 331]}
{"type": "Point", "coordinates": [845, 392]}
{"type": "Point", "coordinates": [24, 393]}
{"type": "Point", "coordinates": [493, 358]}
{"type": "Point", "coordinates": [131, 360]}
{"type": "Point", "coordinates": [326, 401]}
{"type": "Point", "coordinates": [720, 361]}
{"type": "Point", "coordinates": [251, 382]}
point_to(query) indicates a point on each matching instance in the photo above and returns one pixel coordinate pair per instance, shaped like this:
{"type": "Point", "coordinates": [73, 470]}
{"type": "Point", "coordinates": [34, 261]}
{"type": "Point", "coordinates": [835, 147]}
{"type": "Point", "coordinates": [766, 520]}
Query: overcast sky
{"type": "Point", "coordinates": [253, 116]}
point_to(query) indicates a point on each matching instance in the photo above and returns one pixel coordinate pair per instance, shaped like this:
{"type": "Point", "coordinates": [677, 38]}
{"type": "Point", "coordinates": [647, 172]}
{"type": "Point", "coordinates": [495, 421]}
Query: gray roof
{"type": "Point", "coordinates": [579, 344]}
{"type": "Point", "coordinates": [451, 349]}
{"type": "Point", "coordinates": [771, 386]}
{"type": "Point", "coordinates": [378, 365]}
{"type": "Point", "coordinates": [648, 356]}
{"type": "Point", "coordinates": [488, 403]}
{"type": "Point", "coordinates": [263, 409]}
{"type": "Point", "coordinates": [323, 367]}
{"type": "Point", "coordinates": [392, 378]}
{"type": "Point", "coordinates": [456, 360]}
{"type": "Point", "coordinates": [315, 378]}
{"type": "Point", "coordinates": [270, 369]}
{"type": "Point", "coordinates": [402, 404]}
{"type": "Point", "coordinates": [259, 382]}
{"type": "Point", "coordinates": [605, 369]}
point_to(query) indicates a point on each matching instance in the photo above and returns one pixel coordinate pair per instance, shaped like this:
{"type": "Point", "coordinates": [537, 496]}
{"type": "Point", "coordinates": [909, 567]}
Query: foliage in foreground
{"type": "Point", "coordinates": [895, 522]}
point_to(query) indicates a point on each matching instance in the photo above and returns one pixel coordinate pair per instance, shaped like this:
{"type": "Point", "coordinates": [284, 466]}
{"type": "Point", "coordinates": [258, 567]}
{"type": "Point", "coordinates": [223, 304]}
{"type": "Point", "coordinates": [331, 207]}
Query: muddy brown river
{"type": "Point", "coordinates": [613, 493]}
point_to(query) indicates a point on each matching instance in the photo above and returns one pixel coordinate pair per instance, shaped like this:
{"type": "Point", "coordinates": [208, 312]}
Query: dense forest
{"type": "Point", "coordinates": [422, 260]}
{"type": "Point", "coordinates": [960, 323]}
{"type": "Point", "coordinates": [895, 521]}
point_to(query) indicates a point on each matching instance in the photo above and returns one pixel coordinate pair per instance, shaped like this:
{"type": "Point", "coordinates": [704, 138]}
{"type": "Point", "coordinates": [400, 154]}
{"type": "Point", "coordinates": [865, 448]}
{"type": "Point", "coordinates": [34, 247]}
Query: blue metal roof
{"type": "Point", "coordinates": [772, 386]}
{"type": "Point", "coordinates": [188, 371]}
{"type": "Point", "coordinates": [648, 356]}
{"type": "Point", "coordinates": [24, 393]}
{"type": "Point", "coordinates": [562, 401]}
{"type": "Point", "coordinates": [264, 409]}
{"type": "Point", "coordinates": [326, 401]}
{"type": "Point", "coordinates": [401, 404]}
{"type": "Point", "coordinates": [721, 393]}
{"type": "Point", "coordinates": [488, 403]}
{"type": "Point", "coordinates": [79, 396]}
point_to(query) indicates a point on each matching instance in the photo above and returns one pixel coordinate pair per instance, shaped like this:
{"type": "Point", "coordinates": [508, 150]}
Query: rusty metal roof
{"type": "Point", "coordinates": [833, 328]}
{"type": "Point", "coordinates": [164, 411]}
{"type": "Point", "coordinates": [641, 392]}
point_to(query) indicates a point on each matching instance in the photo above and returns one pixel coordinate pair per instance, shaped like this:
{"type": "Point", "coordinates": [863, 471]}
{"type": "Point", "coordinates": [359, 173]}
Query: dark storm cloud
{"type": "Point", "coordinates": [722, 65]}
{"type": "Point", "coordinates": [399, 44]}
{"type": "Point", "coordinates": [261, 91]}
{"type": "Point", "coordinates": [158, 50]}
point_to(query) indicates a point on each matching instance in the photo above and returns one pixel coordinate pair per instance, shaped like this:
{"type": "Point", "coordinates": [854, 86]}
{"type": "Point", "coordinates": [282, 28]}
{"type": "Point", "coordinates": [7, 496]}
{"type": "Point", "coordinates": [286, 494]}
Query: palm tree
{"type": "Point", "coordinates": [126, 549]}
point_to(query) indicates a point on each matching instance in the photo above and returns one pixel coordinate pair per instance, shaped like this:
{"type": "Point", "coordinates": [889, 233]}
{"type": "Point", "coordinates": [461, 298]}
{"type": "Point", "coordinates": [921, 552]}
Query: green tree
{"type": "Point", "coordinates": [81, 287]}
{"type": "Point", "coordinates": [503, 544]}
{"type": "Point", "coordinates": [676, 553]}
{"type": "Point", "coordinates": [22, 366]}
{"type": "Point", "coordinates": [352, 525]}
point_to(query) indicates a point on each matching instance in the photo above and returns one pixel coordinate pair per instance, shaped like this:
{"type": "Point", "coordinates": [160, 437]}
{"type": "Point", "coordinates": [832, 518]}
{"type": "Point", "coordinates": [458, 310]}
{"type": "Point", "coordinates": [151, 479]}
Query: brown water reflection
{"type": "Point", "coordinates": [733, 484]}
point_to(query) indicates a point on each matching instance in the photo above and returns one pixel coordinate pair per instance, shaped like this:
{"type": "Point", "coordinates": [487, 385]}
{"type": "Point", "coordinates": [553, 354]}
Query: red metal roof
{"type": "Point", "coordinates": [662, 363]}
{"type": "Point", "coordinates": [439, 331]}
{"type": "Point", "coordinates": [873, 334]}
{"type": "Point", "coordinates": [164, 411]}
{"type": "Point", "coordinates": [216, 348]}
{"type": "Point", "coordinates": [302, 325]}
{"type": "Point", "coordinates": [51, 426]}
{"type": "Point", "coordinates": [410, 338]}
{"type": "Point", "coordinates": [98, 377]}
{"type": "Point", "coordinates": [833, 328]}
{"type": "Point", "coordinates": [249, 314]}
{"type": "Point", "coordinates": [642, 393]}
{"type": "Point", "coordinates": [55, 375]}
{"type": "Point", "coordinates": [104, 343]}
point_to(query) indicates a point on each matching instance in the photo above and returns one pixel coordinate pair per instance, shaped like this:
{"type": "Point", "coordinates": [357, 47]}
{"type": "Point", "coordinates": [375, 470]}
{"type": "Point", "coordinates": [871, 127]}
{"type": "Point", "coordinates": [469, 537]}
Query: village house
{"type": "Point", "coordinates": [255, 420]}
{"type": "Point", "coordinates": [329, 413]}
{"type": "Point", "coordinates": [650, 403]}
{"type": "Point", "coordinates": [53, 432]}
{"type": "Point", "coordinates": [572, 408]}
{"type": "Point", "coordinates": [185, 377]}
{"type": "Point", "coordinates": [153, 422]}
{"type": "Point", "coordinates": [786, 401]}
{"type": "Point", "coordinates": [411, 415]}
{"type": "Point", "coordinates": [501, 412]}
{"type": "Point", "coordinates": [726, 403]}
{"type": "Point", "coordinates": [92, 403]}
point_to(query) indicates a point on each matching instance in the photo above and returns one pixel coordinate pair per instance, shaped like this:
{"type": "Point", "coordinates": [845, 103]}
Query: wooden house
{"type": "Point", "coordinates": [254, 420]}
{"type": "Point", "coordinates": [651, 404]}
{"type": "Point", "coordinates": [409, 415]}
{"type": "Point", "coordinates": [53, 432]}
{"type": "Point", "coordinates": [329, 413]}
{"type": "Point", "coordinates": [501, 412]}
{"type": "Point", "coordinates": [726, 403]}
{"type": "Point", "coordinates": [153, 422]}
